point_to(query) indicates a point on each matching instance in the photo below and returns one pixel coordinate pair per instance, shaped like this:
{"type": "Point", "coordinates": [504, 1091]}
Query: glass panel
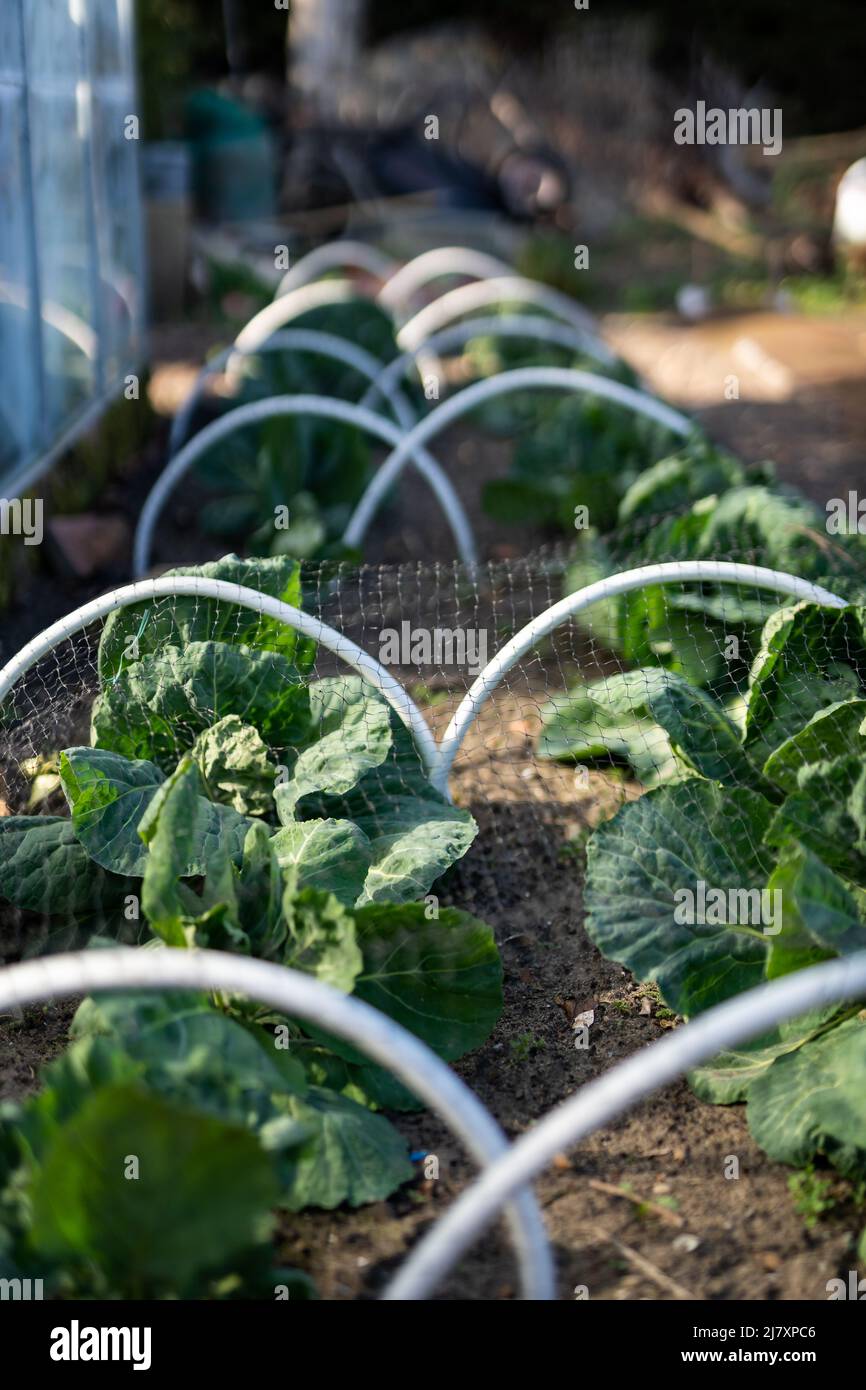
{"type": "Point", "coordinates": [19, 393]}
{"type": "Point", "coordinates": [117, 211]}
{"type": "Point", "coordinates": [70, 234]}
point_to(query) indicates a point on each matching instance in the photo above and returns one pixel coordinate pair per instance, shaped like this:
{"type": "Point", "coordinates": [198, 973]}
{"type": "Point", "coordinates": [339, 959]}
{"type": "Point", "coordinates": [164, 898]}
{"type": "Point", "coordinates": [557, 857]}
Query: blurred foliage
{"type": "Point", "coordinates": [182, 43]}
{"type": "Point", "coordinates": [80, 478]}
{"type": "Point", "coordinates": [819, 84]}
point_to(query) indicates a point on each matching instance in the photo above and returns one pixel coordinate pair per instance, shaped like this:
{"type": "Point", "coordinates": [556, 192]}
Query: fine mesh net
{"type": "Point", "coordinates": [669, 683]}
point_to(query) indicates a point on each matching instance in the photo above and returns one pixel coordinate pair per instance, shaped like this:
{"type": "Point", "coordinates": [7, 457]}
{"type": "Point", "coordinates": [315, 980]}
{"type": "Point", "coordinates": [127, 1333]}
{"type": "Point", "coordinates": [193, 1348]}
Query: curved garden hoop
{"type": "Point", "coordinates": [304, 997]}
{"type": "Point", "coordinates": [302, 340]}
{"type": "Point", "coordinates": [197, 587]}
{"type": "Point", "coordinates": [670, 572]}
{"type": "Point", "coordinates": [747, 1016]}
{"type": "Point", "coordinates": [431, 265]}
{"type": "Point", "coordinates": [546, 378]}
{"type": "Point", "coordinates": [325, 408]}
{"type": "Point", "coordinates": [502, 290]}
{"type": "Point", "coordinates": [529, 326]}
{"type": "Point", "coordinates": [290, 306]}
{"type": "Point", "coordinates": [336, 255]}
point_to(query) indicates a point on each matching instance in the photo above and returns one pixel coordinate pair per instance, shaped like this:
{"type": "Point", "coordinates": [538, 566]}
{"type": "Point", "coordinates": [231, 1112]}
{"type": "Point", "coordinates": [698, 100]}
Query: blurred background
{"type": "Point", "coordinates": [165, 160]}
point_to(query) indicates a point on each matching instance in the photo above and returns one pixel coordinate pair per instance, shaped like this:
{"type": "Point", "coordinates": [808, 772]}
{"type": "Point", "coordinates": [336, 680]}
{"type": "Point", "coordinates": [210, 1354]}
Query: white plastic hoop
{"type": "Point", "coordinates": [290, 306]}
{"type": "Point", "coordinates": [670, 572]}
{"type": "Point", "coordinates": [196, 586]}
{"type": "Point", "coordinates": [503, 290]}
{"type": "Point", "coordinates": [300, 996]}
{"type": "Point", "coordinates": [336, 255]}
{"type": "Point", "coordinates": [530, 326]}
{"type": "Point", "coordinates": [725, 1026]}
{"type": "Point", "coordinates": [545, 378]}
{"type": "Point", "coordinates": [300, 340]}
{"type": "Point", "coordinates": [325, 407]}
{"type": "Point", "coordinates": [404, 283]}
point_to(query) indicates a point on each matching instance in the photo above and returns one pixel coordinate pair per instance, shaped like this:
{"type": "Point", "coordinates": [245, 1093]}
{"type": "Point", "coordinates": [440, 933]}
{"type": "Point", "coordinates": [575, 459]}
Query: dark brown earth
{"type": "Point", "coordinates": [28, 1040]}
{"type": "Point", "coordinates": [676, 1227]}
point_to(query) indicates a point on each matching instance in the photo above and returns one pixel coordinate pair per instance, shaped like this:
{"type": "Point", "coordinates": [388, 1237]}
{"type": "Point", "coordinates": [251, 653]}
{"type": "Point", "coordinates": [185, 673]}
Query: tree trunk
{"type": "Point", "coordinates": [324, 40]}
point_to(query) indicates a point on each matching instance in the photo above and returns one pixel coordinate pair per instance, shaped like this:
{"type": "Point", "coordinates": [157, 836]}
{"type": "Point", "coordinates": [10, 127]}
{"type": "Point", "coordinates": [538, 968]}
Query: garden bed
{"type": "Point", "coordinates": [648, 1207]}
{"type": "Point", "coordinates": [675, 1226]}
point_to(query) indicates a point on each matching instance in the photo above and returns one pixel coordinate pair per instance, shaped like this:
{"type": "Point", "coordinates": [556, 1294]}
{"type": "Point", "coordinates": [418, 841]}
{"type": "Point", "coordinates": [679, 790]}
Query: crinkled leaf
{"type": "Point", "coordinates": [108, 795]}
{"type": "Point", "coordinates": [609, 717]}
{"type": "Point", "coordinates": [156, 708]}
{"type": "Point", "coordinates": [810, 657]}
{"type": "Point", "coordinates": [235, 767]}
{"type": "Point", "coordinates": [642, 864]}
{"type": "Point", "coordinates": [827, 813]}
{"type": "Point", "coordinates": [351, 1156]}
{"type": "Point", "coordinates": [351, 726]}
{"type": "Point", "coordinates": [415, 834]}
{"type": "Point", "coordinates": [146, 628]}
{"type": "Point", "coordinates": [441, 977]}
{"type": "Point", "coordinates": [45, 868]}
{"type": "Point", "coordinates": [811, 1102]}
{"type": "Point", "coordinates": [830, 733]}
{"type": "Point", "coordinates": [729, 1077]}
{"type": "Point", "coordinates": [785, 529]}
{"type": "Point", "coordinates": [321, 938]}
{"type": "Point", "coordinates": [822, 916]}
{"type": "Point", "coordinates": [156, 1232]}
{"type": "Point", "coordinates": [194, 1053]}
{"type": "Point", "coordinates": [170, 834]}
{"type": "Point", "coordinates": [413, 841]}
{"type": "Point", "coordinates": [329, 854]}
{"type": "Point", "coordinates": [254, 897]}
{"type": "Point", "coordinates": [112, 799]}
{"type": "Point", "coordinates": [651, 630]}
{"type": "Point", "coordinates": [819, 919]}
{"type": "Point", "coordinates": [699, 729]}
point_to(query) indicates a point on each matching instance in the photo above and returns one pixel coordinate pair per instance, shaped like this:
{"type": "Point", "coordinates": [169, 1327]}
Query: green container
{"type": "Point", "coordinates": [234, 159]}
